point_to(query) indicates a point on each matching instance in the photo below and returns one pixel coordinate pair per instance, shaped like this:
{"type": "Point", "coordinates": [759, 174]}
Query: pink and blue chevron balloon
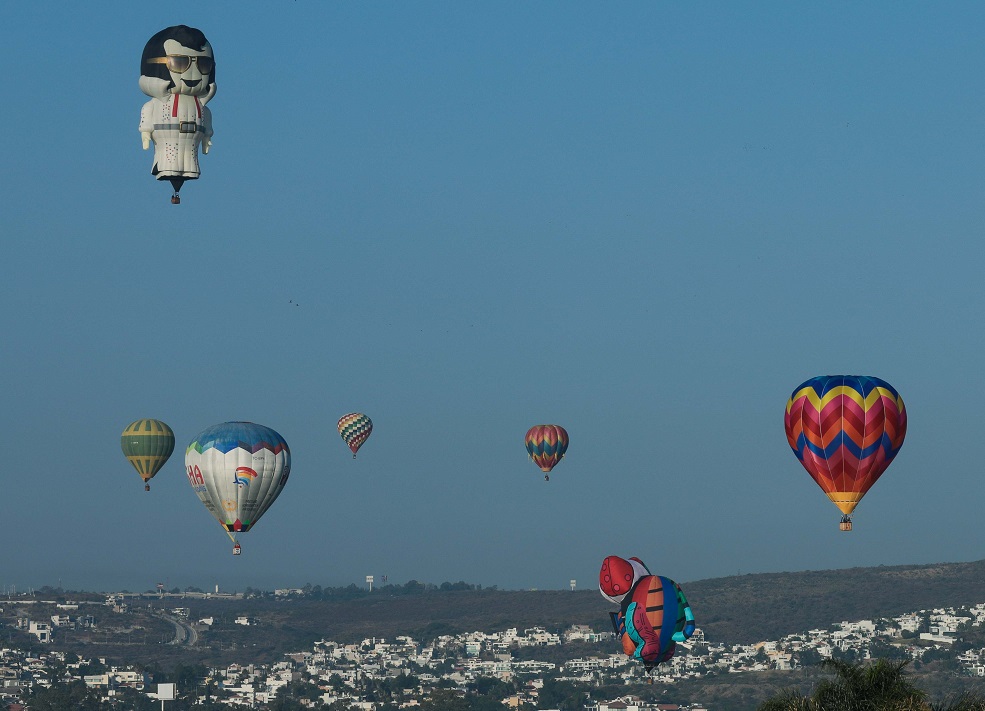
{"type": "Point", "coordinates": [355, 429]}
{"type": "Point", "coordinates": [546, 445]}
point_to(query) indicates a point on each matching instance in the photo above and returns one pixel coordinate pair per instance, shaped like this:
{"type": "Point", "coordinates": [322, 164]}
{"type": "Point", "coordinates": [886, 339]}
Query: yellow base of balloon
{"type": "Point", "coordinates": [846, 501]}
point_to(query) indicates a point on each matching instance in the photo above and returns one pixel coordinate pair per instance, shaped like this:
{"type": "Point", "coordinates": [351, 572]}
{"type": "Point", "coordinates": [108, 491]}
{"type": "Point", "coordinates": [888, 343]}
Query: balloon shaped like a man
{"type": "Point", "coordinates": [177, 70]}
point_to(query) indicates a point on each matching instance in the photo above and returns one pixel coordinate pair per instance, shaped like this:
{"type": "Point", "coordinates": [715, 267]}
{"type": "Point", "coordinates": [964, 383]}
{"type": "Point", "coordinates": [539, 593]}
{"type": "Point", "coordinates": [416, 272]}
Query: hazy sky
{"type": "Point", "coordinates": [645, 221]}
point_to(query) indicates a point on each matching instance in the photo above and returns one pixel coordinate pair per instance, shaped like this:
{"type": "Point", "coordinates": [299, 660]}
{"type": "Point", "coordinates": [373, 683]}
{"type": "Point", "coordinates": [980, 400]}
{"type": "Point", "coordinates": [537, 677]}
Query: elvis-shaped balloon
{"type": "Point", "coordinates": [177, 70]}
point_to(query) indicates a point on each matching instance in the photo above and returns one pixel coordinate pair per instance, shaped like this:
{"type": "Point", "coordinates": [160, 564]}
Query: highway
{"type": "Point", "coordinates": [184, 634]}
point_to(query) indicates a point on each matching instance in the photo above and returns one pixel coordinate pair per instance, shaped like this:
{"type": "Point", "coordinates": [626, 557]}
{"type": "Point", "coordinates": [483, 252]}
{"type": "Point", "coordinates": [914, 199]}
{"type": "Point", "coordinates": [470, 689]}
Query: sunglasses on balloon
{"type": "Point", "coordinates": [180, 63]}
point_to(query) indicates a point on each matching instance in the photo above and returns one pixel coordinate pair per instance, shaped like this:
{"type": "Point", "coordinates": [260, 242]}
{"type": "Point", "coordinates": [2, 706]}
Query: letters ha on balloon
{"type": "Point", "coordinates": [237, 470]}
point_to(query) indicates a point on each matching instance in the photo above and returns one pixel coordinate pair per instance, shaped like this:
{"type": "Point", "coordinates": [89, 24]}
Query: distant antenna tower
{"type": "Point", "coordinates": [572, 584]}
{"type": "Point", "coordinates": [369, 579]}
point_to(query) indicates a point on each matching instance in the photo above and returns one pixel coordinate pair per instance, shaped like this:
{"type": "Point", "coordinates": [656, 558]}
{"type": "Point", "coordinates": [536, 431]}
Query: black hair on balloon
{"type": "Point", "coordinates": [183, 34]}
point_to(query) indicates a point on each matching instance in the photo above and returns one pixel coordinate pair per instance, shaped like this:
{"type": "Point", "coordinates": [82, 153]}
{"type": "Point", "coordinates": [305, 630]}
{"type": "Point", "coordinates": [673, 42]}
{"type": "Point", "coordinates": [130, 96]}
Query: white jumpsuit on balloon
{"type": "Point", "coordinates": [178, 124]}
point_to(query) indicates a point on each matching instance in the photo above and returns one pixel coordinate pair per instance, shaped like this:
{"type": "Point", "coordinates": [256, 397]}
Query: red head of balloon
{"type": "Point", "coordinates": [618, 576]}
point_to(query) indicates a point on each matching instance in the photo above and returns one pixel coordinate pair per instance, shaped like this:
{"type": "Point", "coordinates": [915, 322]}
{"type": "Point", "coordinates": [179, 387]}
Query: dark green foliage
{"type": "Point", "coordinates": [59, 697]}
{"type": "Point", "coordinates": [563, 695]}
{"type": "Point", "coordinates": [880, 686]}
{"type": "Point", "coordinates": [493, 688]}
{"type": "Point", "coordinates": [809, 657]}
{"type": "Point", "coordinates": [880, 649]}
{"type": "Point", "coordinates": [445, 700]}
{"type": "Point", "coordinates": [961, 702]}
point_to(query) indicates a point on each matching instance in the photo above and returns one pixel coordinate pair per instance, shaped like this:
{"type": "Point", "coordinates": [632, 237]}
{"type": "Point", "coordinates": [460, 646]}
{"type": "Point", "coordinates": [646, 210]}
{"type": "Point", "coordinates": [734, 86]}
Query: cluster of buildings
{"type": "Point", "coordinates": [347, 672]}
{"type": "Point", "coordinates": [22, 671]}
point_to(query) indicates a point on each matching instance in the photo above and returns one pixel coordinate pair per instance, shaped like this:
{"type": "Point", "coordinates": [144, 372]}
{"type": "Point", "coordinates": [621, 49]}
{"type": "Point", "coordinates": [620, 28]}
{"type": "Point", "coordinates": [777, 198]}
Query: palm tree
{"type": "Point", "coordinates": [881, 686]}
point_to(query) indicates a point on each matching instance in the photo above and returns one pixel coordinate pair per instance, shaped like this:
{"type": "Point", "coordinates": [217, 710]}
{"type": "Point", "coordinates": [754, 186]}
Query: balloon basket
{"type": "Point", "coordinates": [146, 487]}
{"type": "Point", "coordinates": [175, 200]}
{"type": "Point", "coordinates": [237, 549]}
{"type": "Point", "coordinates": [845, 525]}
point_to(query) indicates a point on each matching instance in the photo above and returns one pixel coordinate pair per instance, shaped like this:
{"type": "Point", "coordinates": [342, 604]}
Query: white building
{"type": "Point", "coordinates": [41, 630]}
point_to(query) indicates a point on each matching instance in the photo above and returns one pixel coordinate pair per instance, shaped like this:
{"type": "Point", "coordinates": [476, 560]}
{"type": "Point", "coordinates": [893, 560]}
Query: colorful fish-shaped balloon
{"type": "Point", "coordinates": [654, 614]}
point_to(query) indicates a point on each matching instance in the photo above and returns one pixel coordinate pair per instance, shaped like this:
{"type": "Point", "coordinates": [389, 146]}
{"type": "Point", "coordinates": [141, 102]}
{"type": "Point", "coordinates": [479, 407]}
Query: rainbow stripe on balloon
{"type": "Point", "coordinates": [845, 430]}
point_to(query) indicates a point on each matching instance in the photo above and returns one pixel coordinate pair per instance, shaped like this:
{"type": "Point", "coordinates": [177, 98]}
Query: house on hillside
{"type": "Point", "coordinates": [41, 630]}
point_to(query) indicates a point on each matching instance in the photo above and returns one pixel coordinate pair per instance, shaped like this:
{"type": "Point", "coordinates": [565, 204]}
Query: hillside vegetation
{"type": "Point", "coordinates": [745, 608]}
{"type": "Point", "coordinates": [736, 609]}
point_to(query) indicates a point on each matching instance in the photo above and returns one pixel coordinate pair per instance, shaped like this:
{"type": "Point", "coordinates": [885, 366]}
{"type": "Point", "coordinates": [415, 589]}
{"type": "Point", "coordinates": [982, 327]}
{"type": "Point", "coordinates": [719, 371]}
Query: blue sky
{"type": "Point", "coordinates": [646, 222]}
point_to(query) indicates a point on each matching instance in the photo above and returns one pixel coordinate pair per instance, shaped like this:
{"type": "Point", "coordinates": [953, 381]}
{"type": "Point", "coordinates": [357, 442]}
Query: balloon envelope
{"type": "Point", "coordinates": [654, 614]}
{"type": "Point", "coordinates": [355, 429]}
{"type": "Point", "coordinates": [546, 445]}
{"type": "Point", "coordinates": [846, 430]}
{"type": "Point", "coordinates": [147, 445]}
{"type": "Point", "coordinates": [238, 469]}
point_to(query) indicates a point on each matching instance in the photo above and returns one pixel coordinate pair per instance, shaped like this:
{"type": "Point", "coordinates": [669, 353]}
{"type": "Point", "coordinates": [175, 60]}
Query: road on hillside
{"type": "Point", "coordinates": [184, 634]}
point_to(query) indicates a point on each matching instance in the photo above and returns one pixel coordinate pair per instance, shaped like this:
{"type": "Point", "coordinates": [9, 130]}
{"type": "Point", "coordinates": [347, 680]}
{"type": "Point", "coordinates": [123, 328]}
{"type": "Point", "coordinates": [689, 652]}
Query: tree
{"type": "Point", "coordinates": [809, 657]}
{"type": "Point", "coordinates": [445, 700]}
{"type": "Point", "coordinates": [337, 683]}
{"type": "Point", "coordinates": [883, 650]}
{"type": "Point", "coordinates": [187, 677]}
{"type": "Point", "coordinates": [563, 695]}
{"type": "Point", "coordinates": [856, 687]}
{"type": "Point", "coordinates": [58, 697]}
{"type": "Point", "coordinates": [492, 687]}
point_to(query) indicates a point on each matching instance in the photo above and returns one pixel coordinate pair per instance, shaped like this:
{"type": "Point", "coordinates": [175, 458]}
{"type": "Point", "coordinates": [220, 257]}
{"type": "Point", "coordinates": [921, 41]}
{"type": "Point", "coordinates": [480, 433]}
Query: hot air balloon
{"type": "Point", "coordinates": [355, 429]}
{"type": "Point", "coordinates": [846, 430]}
{"type": "Point", "coordinates": [147, 444]}
{"type": "Point", "coordinates": [238, 469]}
{"type": "Point", "coordinates": [177, 70]}
{"type": "Point", "coordinates": [546, 445]}
{"type": "Point", "coordinates": [653, 613]}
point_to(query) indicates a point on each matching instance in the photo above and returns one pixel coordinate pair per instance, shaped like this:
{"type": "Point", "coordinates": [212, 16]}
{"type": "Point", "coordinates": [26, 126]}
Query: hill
{"type": "Point", "coordinates": [745, 608]}
{"type": "Point", "coordinates": [736, 609]}
{"type": "Point", "coordinates": [753, 607]}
